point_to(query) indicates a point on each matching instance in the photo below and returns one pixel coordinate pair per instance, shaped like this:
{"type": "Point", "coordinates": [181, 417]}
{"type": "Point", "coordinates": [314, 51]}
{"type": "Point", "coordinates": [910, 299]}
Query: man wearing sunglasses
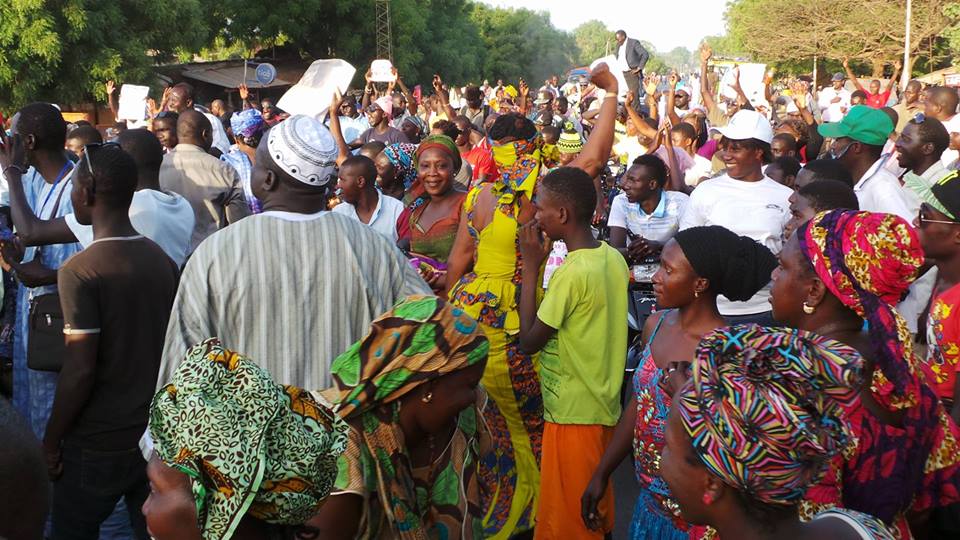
{"type": "Point", "coordinates": [858, 142]}
{"type": "Point", "coordinates": [938, 224]}
{"type": "Point", "coordinates": [116, 296]}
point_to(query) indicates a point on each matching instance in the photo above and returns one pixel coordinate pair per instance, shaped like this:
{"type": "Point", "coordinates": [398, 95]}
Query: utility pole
{"type": "Point", "coordinates": [384, 34]}
{"type": "Point", "coordinates": [905, 77]}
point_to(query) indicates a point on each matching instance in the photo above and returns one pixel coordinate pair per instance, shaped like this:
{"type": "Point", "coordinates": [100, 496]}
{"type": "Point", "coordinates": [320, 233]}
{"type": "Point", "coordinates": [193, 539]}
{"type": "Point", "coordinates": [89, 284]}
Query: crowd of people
{"type": "Point", "coordinates": [408, 317]}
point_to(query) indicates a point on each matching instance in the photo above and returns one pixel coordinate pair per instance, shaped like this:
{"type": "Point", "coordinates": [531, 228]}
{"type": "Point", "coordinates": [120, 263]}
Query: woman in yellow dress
{"type": "Point", "coordinates": [489, 290]}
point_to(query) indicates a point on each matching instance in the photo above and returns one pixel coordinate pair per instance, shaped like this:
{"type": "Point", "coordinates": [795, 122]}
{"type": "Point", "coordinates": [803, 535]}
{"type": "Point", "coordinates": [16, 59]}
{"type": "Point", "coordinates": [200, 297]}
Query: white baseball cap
{"type": "Point", "coordinates": [747, 125]}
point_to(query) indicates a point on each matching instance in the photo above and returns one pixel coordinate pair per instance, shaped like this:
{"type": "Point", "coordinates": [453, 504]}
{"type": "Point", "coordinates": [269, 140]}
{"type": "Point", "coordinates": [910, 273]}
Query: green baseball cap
{"type": "Point", "coordinates": [863, 124]}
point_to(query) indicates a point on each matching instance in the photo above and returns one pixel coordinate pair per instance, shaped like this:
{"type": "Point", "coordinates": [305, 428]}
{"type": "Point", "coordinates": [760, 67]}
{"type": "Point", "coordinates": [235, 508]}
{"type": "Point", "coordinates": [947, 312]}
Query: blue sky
{"type": "Point", "coordinates": [654, 21]}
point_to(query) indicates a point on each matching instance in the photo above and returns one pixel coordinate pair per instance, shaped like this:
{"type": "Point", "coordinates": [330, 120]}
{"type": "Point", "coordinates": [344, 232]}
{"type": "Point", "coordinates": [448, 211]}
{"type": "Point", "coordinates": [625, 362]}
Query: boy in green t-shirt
{"type": "Point", "coordinates": [581, 326]}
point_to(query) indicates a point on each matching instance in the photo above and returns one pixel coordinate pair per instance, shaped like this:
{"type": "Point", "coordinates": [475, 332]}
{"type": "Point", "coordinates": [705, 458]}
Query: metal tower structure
{"type": "Point", "coordinates": [384, 34]}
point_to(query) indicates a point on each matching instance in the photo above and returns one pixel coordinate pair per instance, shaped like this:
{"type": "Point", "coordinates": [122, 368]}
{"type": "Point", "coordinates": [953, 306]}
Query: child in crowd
{"type": "Point", "coordinates": [579, 328]}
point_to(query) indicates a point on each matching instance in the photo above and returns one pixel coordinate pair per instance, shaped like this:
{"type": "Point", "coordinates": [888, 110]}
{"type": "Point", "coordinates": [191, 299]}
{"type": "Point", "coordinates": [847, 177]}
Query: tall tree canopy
{"type": "Point", "coordinates": [872, 32]}
{"type": "Point", "coordinates": [62, 50]}
{"type": "Point", "coordinates": [594, 40]}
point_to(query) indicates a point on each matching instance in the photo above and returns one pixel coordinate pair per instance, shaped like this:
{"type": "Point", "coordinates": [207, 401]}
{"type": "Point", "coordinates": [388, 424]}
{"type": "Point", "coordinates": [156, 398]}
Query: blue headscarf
{"type": "Point", "coordinates": [247, 123]}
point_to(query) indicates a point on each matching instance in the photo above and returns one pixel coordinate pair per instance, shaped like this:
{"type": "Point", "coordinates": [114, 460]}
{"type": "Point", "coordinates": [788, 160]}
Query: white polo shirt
{"type": "Point", "coordinates": [384, 218]}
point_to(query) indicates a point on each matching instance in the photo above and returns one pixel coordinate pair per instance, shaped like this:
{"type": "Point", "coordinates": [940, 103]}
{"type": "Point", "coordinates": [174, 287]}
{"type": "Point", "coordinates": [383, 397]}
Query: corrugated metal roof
{"type": "Point", "coordinates": [230, 76]}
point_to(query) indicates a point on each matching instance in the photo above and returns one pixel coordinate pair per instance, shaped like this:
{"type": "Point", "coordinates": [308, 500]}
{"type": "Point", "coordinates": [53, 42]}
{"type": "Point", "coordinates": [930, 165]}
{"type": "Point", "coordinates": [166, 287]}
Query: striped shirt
{"type": "Point", "coordinates": [290, 291]}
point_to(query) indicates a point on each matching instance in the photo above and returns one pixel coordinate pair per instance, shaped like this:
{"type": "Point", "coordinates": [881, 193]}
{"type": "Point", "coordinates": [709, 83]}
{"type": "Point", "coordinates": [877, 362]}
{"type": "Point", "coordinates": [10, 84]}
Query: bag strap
{"type": "Point", "coordinates": [53, 215]}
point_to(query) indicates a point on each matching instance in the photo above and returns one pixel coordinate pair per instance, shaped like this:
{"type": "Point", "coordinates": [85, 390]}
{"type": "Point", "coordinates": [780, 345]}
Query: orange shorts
{"type": "Point", "coordinates": [571, 454]}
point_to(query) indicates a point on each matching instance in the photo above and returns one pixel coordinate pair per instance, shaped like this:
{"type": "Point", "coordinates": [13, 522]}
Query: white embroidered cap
{"type": "Point", "coordinates": [304, 149]}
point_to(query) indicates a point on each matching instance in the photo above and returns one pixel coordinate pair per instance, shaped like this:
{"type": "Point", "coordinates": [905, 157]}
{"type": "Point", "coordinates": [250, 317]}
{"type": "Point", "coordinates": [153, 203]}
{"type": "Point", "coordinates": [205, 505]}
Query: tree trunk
{"type": "Point", "coordinates": [878, 65]}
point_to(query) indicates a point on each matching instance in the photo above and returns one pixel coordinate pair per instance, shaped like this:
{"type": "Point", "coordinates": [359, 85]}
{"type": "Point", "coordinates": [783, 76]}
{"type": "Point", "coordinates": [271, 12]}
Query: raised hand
{"type": "Point", "coordinates": [110, 87]}
{"type": "Point", "coordinates": [705, 52]}
{"type": "Point", "coordinates": [628, 100]}
{"type": "Point", "coordinates": [524, 88]}
{"type": "Point", "coordinates": [846, 62]}
{"type": "Point", "coordinates": [244, 92]}
{"type": "Point", "coordinates": [674, 79]}
{"type": "Point", "coordinates": [437, 84]}
{"type": "Point", "coordinates": [650, 84]}
{"type": "Point", "coordinates": [602, 78]}
{"type": "Point", "coordinates": [335, 103]}
{"type": "Point", "coordinates": [12, 152]}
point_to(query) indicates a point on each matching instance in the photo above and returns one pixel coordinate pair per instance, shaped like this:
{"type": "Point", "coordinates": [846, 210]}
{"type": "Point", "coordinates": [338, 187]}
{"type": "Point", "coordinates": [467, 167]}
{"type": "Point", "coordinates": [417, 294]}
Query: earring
{"type": "Point", "coordinates": [808, 309]}
{"type": "Point", "coordinates": [707, 499]}
{"type": "Point", "coordinates": [696, 293]}
{"type": "Point", "coordinates": [427, 398]}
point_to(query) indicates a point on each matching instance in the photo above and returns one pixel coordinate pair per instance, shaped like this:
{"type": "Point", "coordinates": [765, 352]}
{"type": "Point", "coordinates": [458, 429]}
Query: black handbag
{"type": "Point", "coordinates": [46, 347]}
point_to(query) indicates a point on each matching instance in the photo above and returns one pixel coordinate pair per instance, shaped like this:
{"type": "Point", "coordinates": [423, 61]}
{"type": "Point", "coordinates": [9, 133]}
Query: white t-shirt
{"type": "Point", "coordinates": [880, 191]}
{"type": "Point", "coordinates": [833, 112]}
{"type": "Point", "coordinates": [757, 210]}
{"type": "Point", "coordinates": [949, 156]}
{"type": "Point", "coordinates": [162, 216]}
{"type": "Point", "coordinates": [384, 218]}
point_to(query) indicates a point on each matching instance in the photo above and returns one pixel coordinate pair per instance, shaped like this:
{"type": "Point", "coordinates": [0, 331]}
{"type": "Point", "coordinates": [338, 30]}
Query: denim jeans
{"type": "Point", "coordinates": [92, 483]}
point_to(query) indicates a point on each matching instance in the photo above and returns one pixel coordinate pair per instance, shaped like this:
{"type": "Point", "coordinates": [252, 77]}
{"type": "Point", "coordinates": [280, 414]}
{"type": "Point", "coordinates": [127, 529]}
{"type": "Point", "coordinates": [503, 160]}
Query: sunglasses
{"type": "Point", "coordinates": [87, 149]}
{"type": "Point", "coordinates": [922, 220]}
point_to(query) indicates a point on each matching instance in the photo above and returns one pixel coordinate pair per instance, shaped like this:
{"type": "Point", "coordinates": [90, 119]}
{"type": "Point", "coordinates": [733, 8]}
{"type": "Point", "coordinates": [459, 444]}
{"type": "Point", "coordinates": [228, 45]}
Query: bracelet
{"type": "Point", "coordinates": [19, 169]}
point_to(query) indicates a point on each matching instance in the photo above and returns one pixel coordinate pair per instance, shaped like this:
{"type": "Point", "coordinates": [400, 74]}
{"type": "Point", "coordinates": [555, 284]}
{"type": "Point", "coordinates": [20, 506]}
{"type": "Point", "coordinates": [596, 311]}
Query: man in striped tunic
{"type": "Point", "coordinates": [295, 286]}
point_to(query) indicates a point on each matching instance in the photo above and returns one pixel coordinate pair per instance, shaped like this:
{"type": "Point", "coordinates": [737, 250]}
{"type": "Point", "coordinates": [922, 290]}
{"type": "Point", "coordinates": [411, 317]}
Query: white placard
{"type": "Point", "coordinates": [133, 102]}
{"type": "Point", "coordinates": [751, 80]}
{"type": "Point", "coordinates": [382, 71]}
{"type": "Point", "coordinates": [314, 93]}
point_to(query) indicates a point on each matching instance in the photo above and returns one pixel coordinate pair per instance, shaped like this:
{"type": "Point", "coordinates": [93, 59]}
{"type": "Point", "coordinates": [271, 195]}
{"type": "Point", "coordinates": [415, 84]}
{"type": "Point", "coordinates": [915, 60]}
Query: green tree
{"type": "Point", "coordinates": [594, 40]}
{"type": "Point", "coordinates": [62, 50]}
{"type": "Point", "coordinates": [522, 43]}
{"type": "Point", "coordinates": [872, 32]}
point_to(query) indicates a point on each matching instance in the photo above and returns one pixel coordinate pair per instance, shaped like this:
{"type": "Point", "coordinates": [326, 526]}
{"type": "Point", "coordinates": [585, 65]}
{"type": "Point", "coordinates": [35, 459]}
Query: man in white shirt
{"type": "Point", "coordinates": [858, 142]}
{"type": "Point", "coordinates": [834, 101]}
{"type": "Point", "coordinates": [942, 104]}
{"type": "Point", "coordinates": [361, 199]}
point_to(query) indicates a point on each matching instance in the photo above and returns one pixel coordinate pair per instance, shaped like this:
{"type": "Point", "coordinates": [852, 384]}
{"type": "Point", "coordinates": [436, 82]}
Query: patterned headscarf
{"type": "Point", "coordinates": [247, 123]}
{"type": "Point", "coordinates": [868, 261]}
{"type": "Point", "coordinates": [519, 163]}
{"type": "Point", "coordinates": [401, 157]}
{"type": "Point", "coordinates": [442, 143]}
{"type": "Point", "coordinates": [421, 339]}
{"type": "Point", "coordinates": [248, 444]}
{"type": "Point", "coordinates": [765, 408]}
{"type": "Point", "coordinates": [416, 122]}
